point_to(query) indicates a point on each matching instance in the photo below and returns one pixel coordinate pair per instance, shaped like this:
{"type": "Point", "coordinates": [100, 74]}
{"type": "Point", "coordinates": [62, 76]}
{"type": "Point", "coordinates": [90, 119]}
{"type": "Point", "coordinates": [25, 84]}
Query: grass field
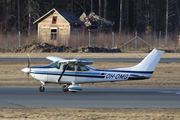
{"type": "Point", "coordinates": [88, 114]}
{"type": "Point", "coordinates": [165, 75]}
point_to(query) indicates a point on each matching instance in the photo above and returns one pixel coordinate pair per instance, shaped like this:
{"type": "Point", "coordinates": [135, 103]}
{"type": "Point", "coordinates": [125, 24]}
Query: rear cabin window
{"type": "Point", "coordinates": [82, 68]}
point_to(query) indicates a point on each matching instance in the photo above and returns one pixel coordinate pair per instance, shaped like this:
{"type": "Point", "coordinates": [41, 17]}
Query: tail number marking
{"type": "Point", "coordinates": [117, 76]}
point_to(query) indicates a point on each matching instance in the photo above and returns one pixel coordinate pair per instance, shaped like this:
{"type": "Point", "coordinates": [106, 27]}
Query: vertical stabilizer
{"type": "Point", "coordinates": [149, 63]}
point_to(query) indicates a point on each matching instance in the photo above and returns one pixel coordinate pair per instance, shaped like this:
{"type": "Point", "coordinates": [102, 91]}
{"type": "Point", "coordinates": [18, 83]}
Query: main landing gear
{"type": "Point", "coordinates": [65, 88]}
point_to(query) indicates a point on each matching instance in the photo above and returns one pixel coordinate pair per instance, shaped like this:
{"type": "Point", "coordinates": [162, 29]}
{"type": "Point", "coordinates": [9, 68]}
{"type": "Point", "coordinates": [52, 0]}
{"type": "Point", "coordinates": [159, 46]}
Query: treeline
{"type": "Point", "coordinates": [144, 16]}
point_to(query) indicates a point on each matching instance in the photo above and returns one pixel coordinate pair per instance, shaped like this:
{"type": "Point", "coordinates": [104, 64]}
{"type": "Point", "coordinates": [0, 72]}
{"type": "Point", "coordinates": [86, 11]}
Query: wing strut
{"type": "Point", "coordinates": [63, 72]}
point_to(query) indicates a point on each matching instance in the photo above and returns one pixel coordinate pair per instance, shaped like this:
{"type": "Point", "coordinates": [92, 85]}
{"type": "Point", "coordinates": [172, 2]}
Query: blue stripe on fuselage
{"type": "Point", "coordinates": [88, 73]}
{"type": "Point", "coordinates": [47, 66]}
{"type": "Point", "coordinates": [68, 74]}
{"type": "Point", "coordinates": [92, 75]}
{"type": "Point", "coordinates": [100, 70]}
{"type": "Point", "coordinates": [140, 72]}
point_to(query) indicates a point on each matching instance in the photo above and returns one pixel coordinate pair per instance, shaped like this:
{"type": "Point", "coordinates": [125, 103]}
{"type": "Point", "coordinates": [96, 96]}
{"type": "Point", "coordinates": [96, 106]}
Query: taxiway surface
{"type": "Point", "coordinates": [91, 97]}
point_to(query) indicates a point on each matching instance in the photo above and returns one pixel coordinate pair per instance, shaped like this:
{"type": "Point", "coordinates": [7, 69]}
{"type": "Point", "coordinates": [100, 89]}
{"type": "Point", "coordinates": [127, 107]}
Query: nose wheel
{"type": "Point", "coordinates": [41, 89]}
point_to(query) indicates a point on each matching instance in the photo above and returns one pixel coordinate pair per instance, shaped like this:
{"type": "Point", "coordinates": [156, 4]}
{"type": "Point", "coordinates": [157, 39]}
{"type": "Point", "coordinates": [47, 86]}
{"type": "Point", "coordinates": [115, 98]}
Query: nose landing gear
{"type": "Point", "coordinates": [41, 88]}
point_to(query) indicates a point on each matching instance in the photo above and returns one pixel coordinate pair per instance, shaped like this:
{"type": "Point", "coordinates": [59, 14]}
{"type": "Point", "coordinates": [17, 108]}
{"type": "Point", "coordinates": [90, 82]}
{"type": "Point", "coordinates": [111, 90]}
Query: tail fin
{"type": "Point", "coordinates": [149, 63]}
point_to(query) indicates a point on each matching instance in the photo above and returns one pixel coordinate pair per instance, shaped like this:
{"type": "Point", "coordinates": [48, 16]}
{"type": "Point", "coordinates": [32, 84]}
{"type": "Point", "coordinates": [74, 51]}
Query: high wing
{"type": "Point", "coordinates": [52, 58]}
{"type": "Point", "coordinates": [77, 62]}
{"type": "Point", "coordinates": [74, 62]}
{"type": "Point", "coordinates": [70, 61]}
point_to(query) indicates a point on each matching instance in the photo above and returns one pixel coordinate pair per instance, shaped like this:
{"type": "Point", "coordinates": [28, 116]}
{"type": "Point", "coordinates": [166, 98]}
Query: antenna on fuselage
{"type": "Point", "coordinates": [78, 56]}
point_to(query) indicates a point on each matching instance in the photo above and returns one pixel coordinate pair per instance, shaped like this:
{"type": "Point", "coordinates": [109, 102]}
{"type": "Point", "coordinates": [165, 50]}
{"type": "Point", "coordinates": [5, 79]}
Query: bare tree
{"type": "Point", "coordinates": [91, 5]}
{"type": "Point", "coordinates": [166, 31]}
{"type": "Point", "coordinates": [84, 6]}
{"type": "Point", "coordinates": [172, 15]}
{"type": "Point", "coordinates": [105, 7]}
{"type": "Point", "coordinates": [29, 26]}
{"type": "Point", "coordinates": [178, 13]}
{"type": "Point", "coordinates": [120, 18]}
{"type": "Point", "coordinates": [154, 17]}
{"type": "Point", "coordinates": [33, 13]}
{"type": "Point", "coordinates": [99, 7]}
{"type": "Point", "coordinates": [72, 6]}
{"type": "Point", "coordinates": [19, 22]}
{"type": "Point", "coordinates": [137, 14]}
{"type": "Point", "coordinates": [127, 15]}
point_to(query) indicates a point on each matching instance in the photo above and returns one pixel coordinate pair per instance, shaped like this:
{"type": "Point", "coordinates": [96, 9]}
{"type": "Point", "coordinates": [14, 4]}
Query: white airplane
{"type": "Point", "coordinates": [77, 71]}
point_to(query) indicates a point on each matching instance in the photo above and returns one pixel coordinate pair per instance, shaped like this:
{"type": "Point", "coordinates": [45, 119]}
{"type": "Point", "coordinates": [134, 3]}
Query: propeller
{"type": "Point", "coordinates": [27, 65]}
{"type": "Point", "coordinates": [29, 61]}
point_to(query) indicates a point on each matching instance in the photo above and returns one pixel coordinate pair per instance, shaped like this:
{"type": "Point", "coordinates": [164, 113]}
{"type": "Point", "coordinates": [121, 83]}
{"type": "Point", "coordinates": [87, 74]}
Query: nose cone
{"type": "Point", "coordinates": [26, 70]}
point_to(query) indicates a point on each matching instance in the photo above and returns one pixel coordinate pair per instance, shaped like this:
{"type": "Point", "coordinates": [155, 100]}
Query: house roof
{"type": "Point", "coordinates": [94, 20]}
{"type": "Point", "coordinates": [70, 17]}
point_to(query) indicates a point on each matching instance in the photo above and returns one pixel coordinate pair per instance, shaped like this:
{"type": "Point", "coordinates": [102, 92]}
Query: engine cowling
{"type": "Point", "coordinates": [74, 88]}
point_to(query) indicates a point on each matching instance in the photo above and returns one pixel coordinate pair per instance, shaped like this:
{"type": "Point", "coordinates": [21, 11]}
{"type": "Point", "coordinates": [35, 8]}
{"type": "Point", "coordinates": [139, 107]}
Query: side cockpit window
{"type": "Point", "coordinates": [82, 68]}
{"type": "Point", "coordinates": [70, 67]}
{"type": "Point", "coordinates": [78, 68]}
{"type": "Point", "coordinates": [55, 65]}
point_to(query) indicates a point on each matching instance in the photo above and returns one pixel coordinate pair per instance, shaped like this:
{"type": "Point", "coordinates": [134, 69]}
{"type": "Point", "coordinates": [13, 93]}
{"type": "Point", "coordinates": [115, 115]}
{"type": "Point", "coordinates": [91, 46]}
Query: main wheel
{"type": "Point", "coordinates": [41, 89]}
{"type": "Point", "coordinates": [65, 88]}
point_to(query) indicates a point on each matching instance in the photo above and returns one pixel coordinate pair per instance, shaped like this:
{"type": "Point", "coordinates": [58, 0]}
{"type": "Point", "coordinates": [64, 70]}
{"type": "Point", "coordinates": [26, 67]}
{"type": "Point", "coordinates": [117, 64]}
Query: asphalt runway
{"type": "Point", "coordinates": [104, 97]}
{"type": "Point", "coordinates": [132, 60]}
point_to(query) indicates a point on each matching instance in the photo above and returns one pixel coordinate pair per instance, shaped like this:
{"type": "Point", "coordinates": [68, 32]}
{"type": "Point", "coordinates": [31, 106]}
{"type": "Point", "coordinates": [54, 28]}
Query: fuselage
{"type": "Point", "coordinates": [83, 74]}
{"type": "Point", "coordinates": [76, 71]}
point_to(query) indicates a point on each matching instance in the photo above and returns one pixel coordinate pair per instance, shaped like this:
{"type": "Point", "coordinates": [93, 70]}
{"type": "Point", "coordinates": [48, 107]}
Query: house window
{"type": "Point", "coordinates": [53, 34]}
{"type": "Point", "coordinates": [54, 19]}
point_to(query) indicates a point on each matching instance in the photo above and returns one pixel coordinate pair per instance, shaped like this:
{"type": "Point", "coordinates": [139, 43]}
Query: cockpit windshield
{"type": "Point", "coordinates": [55, 65]}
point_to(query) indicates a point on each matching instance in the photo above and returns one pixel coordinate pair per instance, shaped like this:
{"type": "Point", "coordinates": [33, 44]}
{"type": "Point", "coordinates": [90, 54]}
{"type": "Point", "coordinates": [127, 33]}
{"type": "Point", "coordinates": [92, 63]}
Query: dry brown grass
{"type": "Point", "coordinates": [88, 114]}
{"type": "Point", "coordinates": [11, 40]}
{"type": "Point", "coordinates": [165, 75]}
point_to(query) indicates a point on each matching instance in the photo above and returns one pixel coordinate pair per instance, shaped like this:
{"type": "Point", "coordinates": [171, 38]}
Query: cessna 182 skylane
{"type": "Point", "coordinates": [77, 71]}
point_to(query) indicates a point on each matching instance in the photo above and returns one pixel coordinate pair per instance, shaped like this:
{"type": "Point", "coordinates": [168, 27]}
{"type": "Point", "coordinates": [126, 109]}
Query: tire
{"type": "Point", "coordinates": [65, 89]}
{"type": "Point", "coordinates": [41, 89]}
